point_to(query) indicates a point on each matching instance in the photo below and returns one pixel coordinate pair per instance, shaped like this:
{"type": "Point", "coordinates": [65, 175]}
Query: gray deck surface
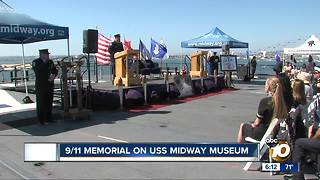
{"type": "Point", "coordinates": [212, 119]}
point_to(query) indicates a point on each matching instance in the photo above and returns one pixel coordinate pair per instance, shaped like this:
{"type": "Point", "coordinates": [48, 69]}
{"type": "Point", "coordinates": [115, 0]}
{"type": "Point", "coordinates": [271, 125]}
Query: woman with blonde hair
{"type": "Point", "coordinates": [298, 92]}
{"type": "Point", "coordinates": [299, 101]}
{"type": "Point", "coordinates": [273, 106]}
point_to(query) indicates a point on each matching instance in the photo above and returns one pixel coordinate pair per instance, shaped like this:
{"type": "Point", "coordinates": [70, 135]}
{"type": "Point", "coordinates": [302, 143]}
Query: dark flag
{"type": "Point", "coordinates": [145, 54]}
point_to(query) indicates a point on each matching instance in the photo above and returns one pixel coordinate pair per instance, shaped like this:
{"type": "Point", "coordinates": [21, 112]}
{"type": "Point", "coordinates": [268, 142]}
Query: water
{"type": "Point", "coordinates": [264, 66]}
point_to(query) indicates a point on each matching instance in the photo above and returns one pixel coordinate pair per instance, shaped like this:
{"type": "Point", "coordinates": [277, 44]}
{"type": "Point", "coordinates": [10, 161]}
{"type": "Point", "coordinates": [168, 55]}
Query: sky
{"type": "Point", "coordinates": [264, 24]}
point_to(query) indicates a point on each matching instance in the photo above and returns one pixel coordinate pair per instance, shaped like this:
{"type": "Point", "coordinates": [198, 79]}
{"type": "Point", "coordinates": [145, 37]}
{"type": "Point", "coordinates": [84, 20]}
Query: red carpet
{"type": "Point", "coordinates": [178, 101]}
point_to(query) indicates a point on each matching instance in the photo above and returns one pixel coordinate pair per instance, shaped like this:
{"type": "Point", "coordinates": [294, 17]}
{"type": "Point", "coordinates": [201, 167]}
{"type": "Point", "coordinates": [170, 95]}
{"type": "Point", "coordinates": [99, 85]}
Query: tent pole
{"type": "Point", "coordinates": [181, 61]}
{"type": "Point", "coordinates": [70, 90]}
{"type": "Point", "coordinates": [26, 99]}
{"type": "Point", "coordinates": [24, 70]}
{"type": "Point", "coordinates": [249, 64]}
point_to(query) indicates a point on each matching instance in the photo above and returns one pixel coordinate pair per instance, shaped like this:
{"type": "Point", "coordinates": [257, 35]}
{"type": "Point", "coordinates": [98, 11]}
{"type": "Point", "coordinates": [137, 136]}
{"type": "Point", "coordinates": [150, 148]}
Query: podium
{"type": "Point", "coordinates": [127, 67]}
{"type": "Point", "coordinates": [67, 75]}
{"type": "Point", "coordinates": [198, 64]}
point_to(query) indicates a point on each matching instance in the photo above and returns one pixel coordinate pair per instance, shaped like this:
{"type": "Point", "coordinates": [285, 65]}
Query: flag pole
{"type": "Point", "coordinates": [124, 41]}
{"type": "Point", "coordinates": [161, 59]}
{"type": "Point", "coordinates": [140, 49]}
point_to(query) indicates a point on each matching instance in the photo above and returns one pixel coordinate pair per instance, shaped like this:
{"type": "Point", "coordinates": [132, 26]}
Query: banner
{"type": "Point", "coordinates": [140, 152]}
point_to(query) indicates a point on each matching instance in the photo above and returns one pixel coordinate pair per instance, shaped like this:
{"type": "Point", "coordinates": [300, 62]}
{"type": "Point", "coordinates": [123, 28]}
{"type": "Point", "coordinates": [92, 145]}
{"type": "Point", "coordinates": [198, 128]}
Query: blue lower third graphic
{"type": "Point", "coordinates": [158, 152]}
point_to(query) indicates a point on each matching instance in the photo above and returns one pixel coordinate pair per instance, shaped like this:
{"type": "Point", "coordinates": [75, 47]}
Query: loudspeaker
{"type": "Point", "coordinates": [90, 41]}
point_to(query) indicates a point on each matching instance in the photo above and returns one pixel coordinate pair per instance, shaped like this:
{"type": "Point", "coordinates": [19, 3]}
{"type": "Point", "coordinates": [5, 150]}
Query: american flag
{"type": "Point", "coordinates": [127, 44]}
{"type": "Point", "coordinates": [103, 56]}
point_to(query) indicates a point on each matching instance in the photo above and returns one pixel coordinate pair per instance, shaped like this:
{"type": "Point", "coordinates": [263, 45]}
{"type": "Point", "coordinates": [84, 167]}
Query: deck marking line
{"type": "Point", "coordinates": [112, 139]}
{"type": "Point", "coordinates": [12, 169]}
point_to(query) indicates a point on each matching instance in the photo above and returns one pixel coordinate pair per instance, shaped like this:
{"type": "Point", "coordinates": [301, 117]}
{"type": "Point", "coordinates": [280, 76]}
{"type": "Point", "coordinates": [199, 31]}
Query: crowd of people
{"type": "Point", "coordinates": [291, 89]}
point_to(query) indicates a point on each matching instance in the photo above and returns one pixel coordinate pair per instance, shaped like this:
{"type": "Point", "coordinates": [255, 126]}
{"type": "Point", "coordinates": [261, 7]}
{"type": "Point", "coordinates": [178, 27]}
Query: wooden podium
{"type": "Point", "coordinates": [198, 61]}
{"type": "Point", "coordinates": [68, 111]}
{"type": "Point", "coordinates": [127, 67]}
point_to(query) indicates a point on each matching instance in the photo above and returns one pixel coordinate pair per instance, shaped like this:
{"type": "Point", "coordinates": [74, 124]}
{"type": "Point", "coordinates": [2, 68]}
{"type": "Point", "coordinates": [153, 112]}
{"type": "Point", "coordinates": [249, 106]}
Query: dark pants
{"type": "Point", "coordinates": [301, 147]}
{"type": "Point", "coordinates": [113, 66]}
{"type": "Point", "coordinates": [44, 103]}
{"type": "Point", "coordinates": [253, 71]}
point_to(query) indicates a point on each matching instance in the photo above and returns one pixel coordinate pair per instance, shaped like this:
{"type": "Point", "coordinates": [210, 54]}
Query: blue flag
{"type": "Point", "coordinates": [145, 54]}
{"type": "Point", "coordinates": [277, 57]}
{"type": "Point", "coordinates": [158, 50]}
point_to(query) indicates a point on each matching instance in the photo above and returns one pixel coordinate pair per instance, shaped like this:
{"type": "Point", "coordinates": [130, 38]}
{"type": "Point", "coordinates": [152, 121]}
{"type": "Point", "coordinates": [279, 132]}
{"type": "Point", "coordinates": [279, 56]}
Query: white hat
{"type": "Point", "coordinates": [305, 77]}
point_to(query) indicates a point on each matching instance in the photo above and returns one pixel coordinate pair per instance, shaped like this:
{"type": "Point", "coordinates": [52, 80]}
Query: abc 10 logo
{"type": "Point", "coordinates": [279, 150]}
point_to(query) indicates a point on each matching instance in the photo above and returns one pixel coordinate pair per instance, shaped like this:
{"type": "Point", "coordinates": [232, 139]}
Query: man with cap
{"type": "Point", "coordinates": [115, 47]}
{"type": "Point", "coordinates": [45, 72]}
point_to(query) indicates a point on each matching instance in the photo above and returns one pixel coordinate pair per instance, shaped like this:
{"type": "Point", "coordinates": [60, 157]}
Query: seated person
{"type": "Point", "coordinates": [306, 78]}
{"type": "Point", "coordinates": [294, 72]}
{"type": "Point", "coordinates": [154, 67]}
{"type": "Point", "coordinates": [287, 68]}
{"type": "Point", "coordinates": [286, 89]}
{"type": "Point", "coordinates": [300, 101]}
{"type": "Point", "coordinates": [301, 147]}
{"type": "Point", "coordinates": [142, 69]}
{"type": "Point", "coordinates": [133, 64]}
{"type": "Point", "coordinates": [270, 107]}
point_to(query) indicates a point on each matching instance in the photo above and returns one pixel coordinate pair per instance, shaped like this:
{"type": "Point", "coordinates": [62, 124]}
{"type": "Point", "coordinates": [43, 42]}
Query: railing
{"type": "Point", "coordinates": [103, 72]}
{"type": "Point", "coordinates": [15, 74]}
{"type": "Point", "coordinates": [185, 61]}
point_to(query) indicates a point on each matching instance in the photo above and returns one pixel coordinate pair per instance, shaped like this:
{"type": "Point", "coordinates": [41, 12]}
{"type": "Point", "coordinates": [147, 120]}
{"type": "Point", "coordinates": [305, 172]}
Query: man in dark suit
{"type": "Point", "coordinates": [45, 72]}
{"type": "Point", "coordinates": [115, 47]}
{"type": "Point", "coordinates": [214, 63]}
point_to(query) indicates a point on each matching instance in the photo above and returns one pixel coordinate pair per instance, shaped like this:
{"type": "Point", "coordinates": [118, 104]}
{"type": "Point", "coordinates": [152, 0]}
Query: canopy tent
{"type": "Point", "coordinates": [310, 47]}
{"type": "Point", "coordinates": [214, 39]}
{"type": "Point", "coordinates": [21, 29]}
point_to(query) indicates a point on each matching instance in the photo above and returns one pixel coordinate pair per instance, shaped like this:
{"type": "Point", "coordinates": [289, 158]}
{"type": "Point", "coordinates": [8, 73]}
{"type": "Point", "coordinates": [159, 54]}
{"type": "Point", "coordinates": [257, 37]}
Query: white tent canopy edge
{"type": "Point", "coordinates": [310, 47]}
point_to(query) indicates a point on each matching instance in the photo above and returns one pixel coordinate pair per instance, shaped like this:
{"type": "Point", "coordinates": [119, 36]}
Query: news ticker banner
{"type": "Point", "coordinates": [140, 152]}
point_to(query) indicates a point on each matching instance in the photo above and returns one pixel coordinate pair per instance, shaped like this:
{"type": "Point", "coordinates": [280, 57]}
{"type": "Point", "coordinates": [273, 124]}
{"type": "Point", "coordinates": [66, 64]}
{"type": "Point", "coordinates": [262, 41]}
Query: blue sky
{"type": "Point", "coordinates": [263, 24]}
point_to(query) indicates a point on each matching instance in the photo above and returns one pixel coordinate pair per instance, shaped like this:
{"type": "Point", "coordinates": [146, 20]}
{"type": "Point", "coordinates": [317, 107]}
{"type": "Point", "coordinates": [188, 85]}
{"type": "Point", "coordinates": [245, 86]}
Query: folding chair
{"type": "Point", "coordinates": [262, 145]}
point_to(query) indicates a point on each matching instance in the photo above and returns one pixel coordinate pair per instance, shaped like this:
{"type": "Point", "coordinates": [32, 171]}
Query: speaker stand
{"type": "Point", "coordinates": [88, 68]}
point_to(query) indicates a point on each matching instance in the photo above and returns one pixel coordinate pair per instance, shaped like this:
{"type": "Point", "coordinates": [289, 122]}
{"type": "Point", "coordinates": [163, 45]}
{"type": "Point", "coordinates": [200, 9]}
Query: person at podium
{"type": "Point", "coordinates": [214, 62]}
{"type": "Point", "coordinates": [115, 47]}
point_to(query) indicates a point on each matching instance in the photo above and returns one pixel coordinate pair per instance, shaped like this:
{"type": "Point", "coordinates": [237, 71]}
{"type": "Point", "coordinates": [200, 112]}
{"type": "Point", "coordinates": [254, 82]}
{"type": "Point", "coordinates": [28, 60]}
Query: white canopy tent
{"type": "Point", "coordinates": [310, 47]}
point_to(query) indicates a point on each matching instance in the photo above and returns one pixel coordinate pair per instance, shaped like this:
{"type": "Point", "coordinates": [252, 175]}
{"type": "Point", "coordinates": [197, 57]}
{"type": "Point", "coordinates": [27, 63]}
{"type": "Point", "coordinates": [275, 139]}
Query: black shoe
{"type": "Point", "coordinates": [27, 100]}
{"type": "Point", "coordinates": [293, 177]}
{"type": "Point", "coordinates": [288, 177]}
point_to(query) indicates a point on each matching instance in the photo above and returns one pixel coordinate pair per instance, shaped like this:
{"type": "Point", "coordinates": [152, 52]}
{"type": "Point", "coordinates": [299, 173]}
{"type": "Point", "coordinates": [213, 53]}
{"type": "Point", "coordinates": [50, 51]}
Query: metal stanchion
{"type": "Point", "coordinates": [144, 84]}
{"type": "Point", "coordinates": [166, 81]}
{"type": "Point", "coordinates": [215, 73]}
{"type": "Point", "coordinates": [202, 69]}
{"type": "Point", "coordinates": [120, 88]}
{"type": "Point", "coordinates": [202, 85]}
